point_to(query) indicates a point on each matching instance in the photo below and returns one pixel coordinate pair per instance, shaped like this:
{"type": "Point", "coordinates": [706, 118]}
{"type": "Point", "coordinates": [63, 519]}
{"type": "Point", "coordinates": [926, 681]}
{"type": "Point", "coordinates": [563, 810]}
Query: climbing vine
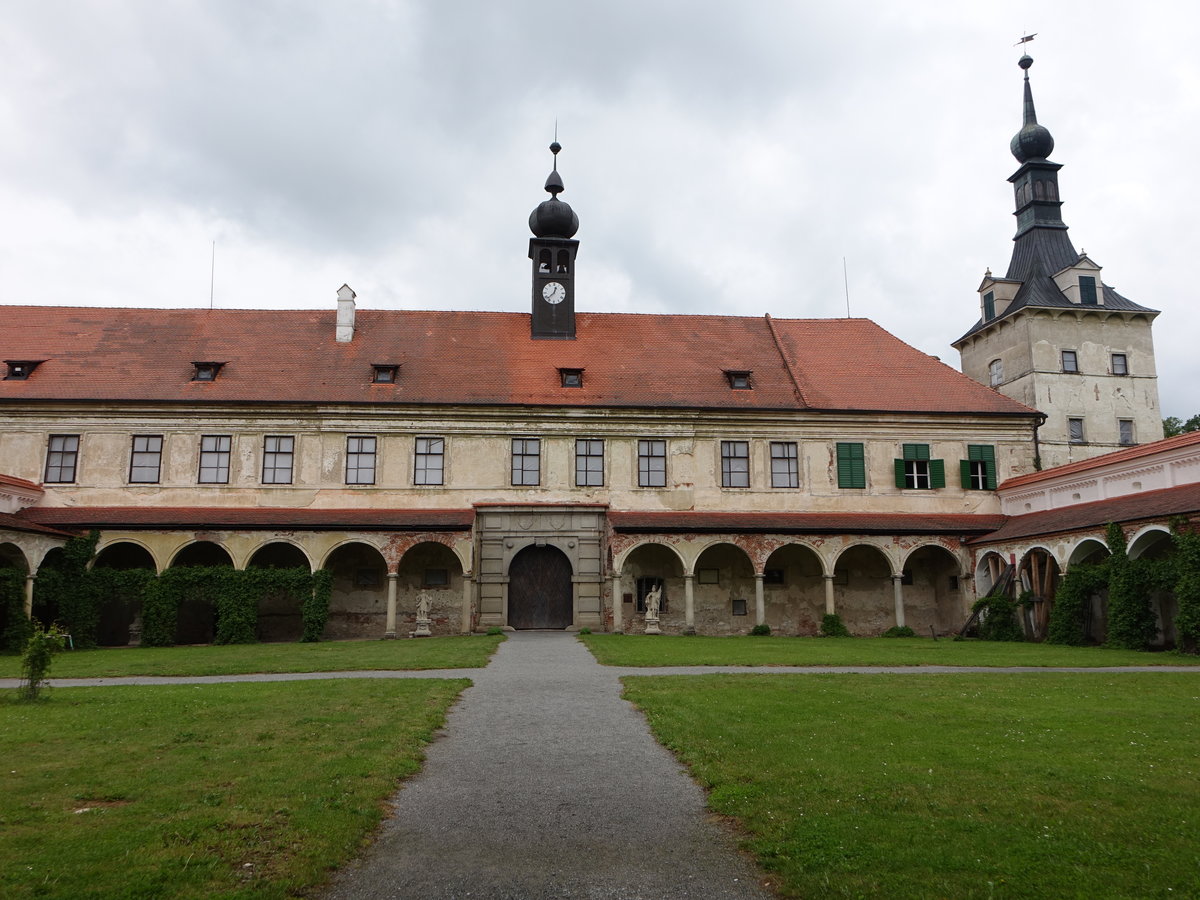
{"type": "Point", "coordinates": [1131, 623]}
{"type": "Point", "coordinates": [63, 584]}
{"type": "Point", "coordinates": [1187, 589]}
{"type": "Point", "coordinates": [998, 617]}
{"type": "Point", "coordinates": [17, 626]}
{"type": "Point", "coordinates": [316, 605]}
{"type": "Point", "coordinates": [1069, 619]}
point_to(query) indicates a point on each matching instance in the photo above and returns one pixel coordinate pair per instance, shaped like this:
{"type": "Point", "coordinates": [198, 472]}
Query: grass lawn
{"type": "Point", "coordinates": [985, 786]}
{"type": "Point", "coordinates": [677, 650]}
{"type": "Point", "coordinates": [238, 790]}
{"type": "Point", "coordinates": [458, 652]}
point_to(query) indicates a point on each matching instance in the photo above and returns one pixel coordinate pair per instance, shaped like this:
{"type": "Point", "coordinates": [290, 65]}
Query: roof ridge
{"type": "Point", "coordinates": [787, 366]}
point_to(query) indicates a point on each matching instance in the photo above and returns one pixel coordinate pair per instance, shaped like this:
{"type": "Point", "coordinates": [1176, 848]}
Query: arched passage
{"type": "Point", "coordinates": [539, 589]}
{"type": "Point", "coordinates": [196, 621]}
{"type": "Point", "coordinates": [646, 567]}
{"type": "Point", "coordinates": [45, 602]}
{"type": "Point", "coordinates": [280, 614]}
{"type": "Point", "coordinates": [12, 559]}
{"type": "Point", "coordinates": [724, 590]}
{"type": "Point", "coordinates": [988, 571]}
{"type": "Point", "coordinates": [1156, 543]}
{"type": "Point", "coordinates": [1091, 552]}
{"type": "Point", "coordinates": [932, 588]}
{"type": "Point", "coordinates": [864, 597]}
{"type": "Point", "coordinates": [121, 609]}
{"type": "Point", "coordinates": [358, 603]}
{"type": "Point", "coordinates": [1038, 575]}
{"type": "Point", "coordinates": [794, 590]}
{"type": "Point", "coordinates": [434, 569]}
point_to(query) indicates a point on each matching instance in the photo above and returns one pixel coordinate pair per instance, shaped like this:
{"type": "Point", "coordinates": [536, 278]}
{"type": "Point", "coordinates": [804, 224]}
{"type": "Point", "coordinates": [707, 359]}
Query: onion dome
{"type": "Point", "coordinates": [1033, 141]}
{"type": "Point", "coordinates": [553, 218]}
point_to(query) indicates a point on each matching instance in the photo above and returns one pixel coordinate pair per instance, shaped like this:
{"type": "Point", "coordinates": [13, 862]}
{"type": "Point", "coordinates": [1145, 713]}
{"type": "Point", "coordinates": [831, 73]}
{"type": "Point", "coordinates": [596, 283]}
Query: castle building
{"type": "Point", "coordinates": [1051, 334]}
{"type": "Point", "coordinates": [541, 470]}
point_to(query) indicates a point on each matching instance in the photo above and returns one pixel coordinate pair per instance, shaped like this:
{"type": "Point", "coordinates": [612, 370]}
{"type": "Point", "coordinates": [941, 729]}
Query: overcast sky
{"type": "Point", "coordinates": [722, 158]}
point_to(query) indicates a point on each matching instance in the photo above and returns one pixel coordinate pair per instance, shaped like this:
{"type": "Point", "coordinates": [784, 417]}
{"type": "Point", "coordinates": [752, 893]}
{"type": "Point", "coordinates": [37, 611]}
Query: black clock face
{"type": "Point", "coordinates": [554, 293]}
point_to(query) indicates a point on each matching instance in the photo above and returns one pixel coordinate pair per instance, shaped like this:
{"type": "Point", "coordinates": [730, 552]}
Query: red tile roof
{"type": "Point", "coordinates": [19, 523]}
{"type": "Point", "coordinates": [1176, 501]}
{"type": "Point", "coordinates": [134, 517]}
{"type": "Point", "coordinates": [803, 523]}
{"type": "Point", "coordinates": [1117, 456]}
{"type": "Point", "coordinates": [21, 483]}
{"type": "Point", "coordinates": [146, 355]}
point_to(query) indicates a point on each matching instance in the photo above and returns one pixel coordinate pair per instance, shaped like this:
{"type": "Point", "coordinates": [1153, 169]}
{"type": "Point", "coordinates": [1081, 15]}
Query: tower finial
{"type": "Point", "coordinates": [1033, 141]}
{"type": "Point", "coordinates": [553, 217]}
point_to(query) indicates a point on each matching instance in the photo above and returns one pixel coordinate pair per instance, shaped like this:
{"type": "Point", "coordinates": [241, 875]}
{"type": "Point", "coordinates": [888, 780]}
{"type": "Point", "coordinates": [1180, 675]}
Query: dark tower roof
{"type": "Point", "coordinates": [553, 217]}
{"type": "Point", "coordinates": [1033, 141]}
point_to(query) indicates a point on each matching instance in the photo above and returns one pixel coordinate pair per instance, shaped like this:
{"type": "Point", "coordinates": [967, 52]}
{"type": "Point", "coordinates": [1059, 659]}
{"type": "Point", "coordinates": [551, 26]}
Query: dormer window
{"type": "Point", "coordinates": [206, 371]}
{"type": "Point", "coordinates": [989, 306]}
{"type": "Point", "coordinates": [384, 373]}
{"type": "Point", "coordinates": [20, 369]}
{"type": "Point", "coordinates": [739, 379]}
{"type": "Point", "coordinates": [571, 378]}
{"type": "Point", "coordinates": [1087, 290]}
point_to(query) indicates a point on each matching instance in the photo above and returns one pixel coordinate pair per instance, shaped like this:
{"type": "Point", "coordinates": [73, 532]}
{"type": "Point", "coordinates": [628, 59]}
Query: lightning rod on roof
{"type": "Point", "coordinates": [846, 281]}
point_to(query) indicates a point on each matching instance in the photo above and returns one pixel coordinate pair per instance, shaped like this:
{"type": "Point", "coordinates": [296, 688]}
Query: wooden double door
{"type": "Point", "coordinates": [539, 589]}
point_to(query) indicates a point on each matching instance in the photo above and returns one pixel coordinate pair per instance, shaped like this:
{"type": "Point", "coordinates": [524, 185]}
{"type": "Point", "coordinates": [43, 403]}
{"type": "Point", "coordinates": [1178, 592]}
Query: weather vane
{"type": "Point", "coordinates": [1026, 39]}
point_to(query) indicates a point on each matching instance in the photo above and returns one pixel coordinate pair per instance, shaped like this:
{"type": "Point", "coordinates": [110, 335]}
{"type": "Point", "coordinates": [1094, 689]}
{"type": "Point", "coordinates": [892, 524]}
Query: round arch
{"type": "Point", "coordinates": [540, 588]}
{"type": "Point", "coordinates": [279, 554]}
{"type": "Point", "coordinates": [794, 589]}
{"type": "Point", "coordinates": [863, 591]}
{"type": "Point", "coordinates": [201, 553]}
{"type": "Point", "coordinates": [13, 557]}
{"type": "Point", "coordinates": [120, 613]}
{"type": "Point", "coordinates": [280, 614]}
{"type": "Point", "coordinates": [435, 569]}
{"type": "Point", "coordinates": [988, 570]}
{"type": "Point", "coordinates": [1155, 542]}
{"type": "Point", "coordinates": [1087, 550]}
{"type": "Point", "coordinates": [934, 599]}
{"type": "Point", "coordinates": [125, 553]}
{"type": "Point", "coordinates": [642, 568]}
{"type": "Point", "coordinates": [724, 588]}
{"type": "Point", "coordinates": [196, 620]}
{"type": "Point", "coordinates": [1151, 541]}
{"type": "Point", "coordinates": [619, 561]}
{"type": "Point", "coordinates": [358, 602]}
{"type": "Point", "coordinates": [1038, 573]}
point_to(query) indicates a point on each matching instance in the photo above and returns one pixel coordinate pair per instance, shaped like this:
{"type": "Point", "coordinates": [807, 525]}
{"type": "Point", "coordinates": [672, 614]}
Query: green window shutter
{"type": "Point", "coordinates": [916, 451]}
{"type": "Point", "coordinates": [852, 471]}
{"type": "Point", "coordinates": [899, 464]}
{"type": "Point", "coordinates": [986, 454]}
{"type": "Point", "coordinates": [989, 306]}
{"type": "Point", "coordinates": [991, 474]}
{"type": "Point", "coordinates": [964, 472]}
{"type": "Point", "coordinates": [937, 473]}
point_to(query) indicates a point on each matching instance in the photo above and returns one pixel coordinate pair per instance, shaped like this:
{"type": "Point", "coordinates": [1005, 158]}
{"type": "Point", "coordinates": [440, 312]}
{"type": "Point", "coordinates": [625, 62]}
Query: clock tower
{"type": "Point", "coordinates": [552, 252]}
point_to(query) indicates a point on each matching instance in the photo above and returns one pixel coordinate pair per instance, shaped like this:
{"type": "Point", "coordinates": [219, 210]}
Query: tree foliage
{"type": "Point", "coordinates": [998, 618]}
{"type": "Point", "coordinates": [1173, 425]}
{"type": "Point", "coordinates": [17, 626]}
{"type": "Point", "coordinates": [1131, 623]}
{"type": "Point", "coordinates": [1071, 600]}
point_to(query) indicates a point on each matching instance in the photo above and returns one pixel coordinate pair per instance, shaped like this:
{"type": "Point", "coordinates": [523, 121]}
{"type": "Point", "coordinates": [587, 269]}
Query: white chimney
{"type": "Point", "coordinates": [345, 314]}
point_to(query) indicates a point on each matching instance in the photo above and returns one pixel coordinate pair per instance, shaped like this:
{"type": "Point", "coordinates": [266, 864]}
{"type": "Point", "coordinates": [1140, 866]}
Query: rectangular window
{"type": "Point", "coordinates": [145, 460]}
{"type": "Point", "coordinates": [645, 586]}
{"type": "Point", "coordinates": [652, 463]}
{"type": "Point", "coordinates": [851, 466]}
{"type": "Point", "coordinates": [735, 464]}
{"type": "Point", "coordinates": [1125, 429]}
{"type": "Point", "coordinates": [526, 461]}
{"type": "Point", "coordinates": [1087, 290]}
{"type": "Point", "coordinates": [589, 463]}
{"type": "Point", "coordinates": [1120, 364]}
{"type": "Point", "coordinates": [978, 470]}
{"type": "Point", "coordinates": [784, 469]}
{"type": "Point", "coordinates": [62, 456]}
{"type": "Point", "coordinates": [429, 466]}
{"type": "Point", "coordinates": [1075, 431]}
{"type": "Point", "coordinates": [916, 471]}
{"type": "Point", "coordinates": [214, 458]}
{"type": "Point", "coordinates": [1070, 362]}
{"type": "Point", "coordinates": [360, 459]}
{"type": "Point", "coordinates": [989, 306]}
{"type": "Point", "coordinates": [278, 452]}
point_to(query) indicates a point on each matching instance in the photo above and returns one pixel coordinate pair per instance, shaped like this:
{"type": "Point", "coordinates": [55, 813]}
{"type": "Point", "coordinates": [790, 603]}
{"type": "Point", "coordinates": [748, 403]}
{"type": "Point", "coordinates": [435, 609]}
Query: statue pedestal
{"type": "Point", "coordinates": [422, 629]}
{"type": "Point", "coordinates": [652, 625]}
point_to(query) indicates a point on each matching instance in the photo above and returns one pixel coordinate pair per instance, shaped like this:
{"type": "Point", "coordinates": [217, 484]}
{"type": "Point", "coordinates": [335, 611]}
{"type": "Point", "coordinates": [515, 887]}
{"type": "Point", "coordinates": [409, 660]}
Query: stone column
{"type": "Point", "coordinates": [390, 628]}
{"type": "Point", "coordinates": [29, 579]}
{"type": "Point", "coordinates": [618, 603]}
{"type": "Point", "coordinates": [898, 590]}
{"type": "Point", "coordinates": [689, 604]}
{"type": "Point", "coordinates": [829, 609]}
{"type": "Point", "coordinates": [468, 602]}
{"type": "Point", "coordinates": [760, 606]}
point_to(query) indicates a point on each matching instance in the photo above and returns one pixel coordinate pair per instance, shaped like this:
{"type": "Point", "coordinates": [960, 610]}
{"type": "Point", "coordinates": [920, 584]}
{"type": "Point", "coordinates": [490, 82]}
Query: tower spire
{"type": "Point", "coordinates": [552, 250]}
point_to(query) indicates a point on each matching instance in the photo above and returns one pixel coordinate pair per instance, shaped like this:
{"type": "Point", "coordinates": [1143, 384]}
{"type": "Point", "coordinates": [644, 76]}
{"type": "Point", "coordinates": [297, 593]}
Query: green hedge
{"type": "Point", "coordinates": [17, 627]}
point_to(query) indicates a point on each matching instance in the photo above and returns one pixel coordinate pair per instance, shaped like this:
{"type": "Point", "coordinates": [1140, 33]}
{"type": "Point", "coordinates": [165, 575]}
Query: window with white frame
{"type": "Point", "coordinates": [1075, 431]}
{"type": "Point", "coordinates": [785, 472]}
{"type": "Point", "coordinates": [360, 459]}
{"type": "Point", "coordinates": [1120, 364]}
{"type": "Point", "coordinates": [278, 454]}
{"type": "Point", "coordinates": [145, 459]}
{"type": "Point", "coordinates": [1125, 432]}
{"type": "Point", "coordinates": [429, 465]}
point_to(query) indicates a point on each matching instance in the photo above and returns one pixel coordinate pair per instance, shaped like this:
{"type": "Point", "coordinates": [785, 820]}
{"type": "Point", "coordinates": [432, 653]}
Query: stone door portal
{"type": "Point", "coordinates": [539, 589]}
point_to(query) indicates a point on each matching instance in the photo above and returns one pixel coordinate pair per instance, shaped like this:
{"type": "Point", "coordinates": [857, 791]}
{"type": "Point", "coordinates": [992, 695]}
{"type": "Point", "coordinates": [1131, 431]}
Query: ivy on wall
{"type": "Point", "coordinates": [17, 626]}
{"type": "Point", "coordinates": [1187, 589]}
{"type": "Point", "coordinates": [1069, 618]}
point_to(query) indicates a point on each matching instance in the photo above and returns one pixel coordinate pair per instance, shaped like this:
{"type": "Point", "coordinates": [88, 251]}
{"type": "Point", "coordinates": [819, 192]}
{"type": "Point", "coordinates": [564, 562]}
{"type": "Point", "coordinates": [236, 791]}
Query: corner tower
{"type": "Point", "coordinates": [1051, 334]}
{"type": "Point", "coordinates": [552, 252]}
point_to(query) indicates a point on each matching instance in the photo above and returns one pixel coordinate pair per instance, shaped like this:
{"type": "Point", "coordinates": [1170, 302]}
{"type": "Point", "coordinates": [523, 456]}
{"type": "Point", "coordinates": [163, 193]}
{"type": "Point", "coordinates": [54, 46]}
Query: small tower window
{"type": "Point", "coordinates": [571, 378]}
{"type": "Point", "coordinates": [544, 262]}
{"type": "Point", "coordinates": [206, 371]}
{"type": "Point", "coordinates": [1125, 432]}
{"type": "Point", "coordinates": [384, 373]}
{"type": "Point", "coordinates": [996, 372]}
{"type": "Point", "coordinates": [1120, 364]}
{"type": "Point", "coordinates": [739, 380]}
{"type": "Point", "coordinates": [564, 263]}
{"type": "Point", "coordinates": [1039, 190]}
{"type": "Point", "coordinates": [1075, 433]}
{"type": "Point", "coordinates": [20, 369]}
{"type": "Point", "coordinates": [1087, 290]}
{"type": "Point", "coordinates": [1070, 362]}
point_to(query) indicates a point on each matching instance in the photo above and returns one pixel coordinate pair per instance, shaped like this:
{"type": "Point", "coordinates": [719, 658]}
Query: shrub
{"type": "Point", "coordinates": [899, 631]}
{"type": "Point", "coordinates": [998, 619]}
{"type": "Point", "coordinates": [495, 629]}
{"type": "Point", "coordinates": [1131, 623]}
{"type": "Point", "coordinates": [585, 630]}
{"type": "Point", "coordinates": [36, 659]}
{"type": "Point", "coordinates": [832, 626]}
{"type": "Point", "coordinates": [760, 630]}
{"type": "Point", "coordinates": [1071, 601]}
